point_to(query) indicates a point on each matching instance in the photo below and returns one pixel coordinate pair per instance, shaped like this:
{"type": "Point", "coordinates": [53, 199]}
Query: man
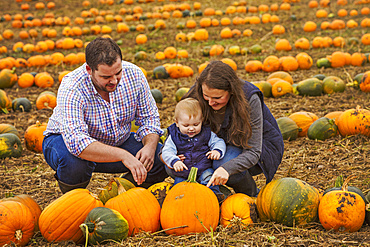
{"type": "Point", "coordinates": [89, 130]}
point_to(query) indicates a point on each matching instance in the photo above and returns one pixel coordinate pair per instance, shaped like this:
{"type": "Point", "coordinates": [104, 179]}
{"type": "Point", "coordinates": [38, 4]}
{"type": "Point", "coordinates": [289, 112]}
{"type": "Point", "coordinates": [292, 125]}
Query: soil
{"type": "Point", "coordinates": [316, 162]}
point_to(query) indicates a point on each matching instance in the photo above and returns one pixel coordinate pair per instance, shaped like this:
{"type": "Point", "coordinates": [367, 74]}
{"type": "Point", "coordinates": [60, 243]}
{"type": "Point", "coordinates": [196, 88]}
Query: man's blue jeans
{"type": "Point", "coordinates": [73, 170]}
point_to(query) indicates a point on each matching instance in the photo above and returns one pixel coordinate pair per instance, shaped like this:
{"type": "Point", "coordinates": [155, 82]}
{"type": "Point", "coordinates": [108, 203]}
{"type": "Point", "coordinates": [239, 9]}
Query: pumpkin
{"type": "Point", "coordinates": [16, 224]}
{"type": "Point", "coordinates": [303, 120]}
{"type": "Point", "coordinates": [34, 137]}
{"type": "Point", "coordinates": [46, 99]}
{"type": "Point", "coordinates": [310, 87]}
{"type": "Point", "coordinates": [264, 87]}
{"type": "Point", "coordinates": [334, 115]}
{"type": "Point", "coordinates": [157, 95]}
{"type": "Point", "coordinates": [44, 80]}
{"type": "Point", "coordinates": [281, 88]}
{"type": "Point", "coordinates": [323, 63]}
{"type": "Point", "coordinates": [61, 219]}
{"type": "Point", "coordinates": [8, 78]}
{"type": "Point", "coordinates": [139, 207]}
{"type": "Point", "coordinates": [354, 121]}
{"type": "Point", "coordinates": [8, 128]}
{"type": "Point", "coordinates": [333, 84]}
{"type": "Point", "coordinates": [238, 210]}
{"type": "Point", "coordinates": [322, 129]}
{"type": "Point", "coordinates": [288, 128]}
{"type": "Point", "coordinates": [104, 224]}
{"type": "Point", "coordinates": [26, 80]}
{"type": "Point", "coordinates": [180, 93]}
{"type": "Point", "coordinates": [5, 102]}
{"type": "Point", "coordinates": [365, 82]}
{"type": "Point", "coordinates": [190, 207]}
{"type": "Point", "coordinates": [30, 203]}
{"type": "Point", "coordinates": [111, 189]}
{"type": "Point", "coordinates": [160, 190]}
{"type": "Point", "coordinates": [21, 104]}
{"type": "Point", "coordinates": [10, 145]}
{"type": "Point", "coordinates": [160, 72]}
{"type": "Point", "coordinates": [288, 201]}
{"type": "Point", "coordinates": [342, 210]}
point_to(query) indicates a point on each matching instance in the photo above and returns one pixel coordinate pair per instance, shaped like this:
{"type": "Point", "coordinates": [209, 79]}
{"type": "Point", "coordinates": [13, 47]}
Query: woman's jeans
{"type": "Point", "coordinates": [73, 170]}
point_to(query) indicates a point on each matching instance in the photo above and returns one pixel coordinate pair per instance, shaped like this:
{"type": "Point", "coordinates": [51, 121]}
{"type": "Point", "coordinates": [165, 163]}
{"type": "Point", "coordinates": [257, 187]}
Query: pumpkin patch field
{"type": "Point", "coordinates": [310, 59]}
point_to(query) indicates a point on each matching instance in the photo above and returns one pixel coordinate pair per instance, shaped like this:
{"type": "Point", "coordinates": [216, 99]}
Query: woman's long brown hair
{"type": "Point", "coordinates": [218, 75]}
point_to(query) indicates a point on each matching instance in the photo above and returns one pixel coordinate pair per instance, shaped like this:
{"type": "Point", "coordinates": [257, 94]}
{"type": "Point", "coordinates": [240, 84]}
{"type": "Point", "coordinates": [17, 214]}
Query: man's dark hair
{"type": "Point", "coordinates": [102, 51]}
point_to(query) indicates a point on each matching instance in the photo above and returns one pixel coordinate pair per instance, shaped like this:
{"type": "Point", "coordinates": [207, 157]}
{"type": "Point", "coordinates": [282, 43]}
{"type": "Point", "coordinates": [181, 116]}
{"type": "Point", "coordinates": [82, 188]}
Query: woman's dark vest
{"type": "Point", "coordinates": [272, 143]}
{"type": "Point", "coordinates": [194, 149]}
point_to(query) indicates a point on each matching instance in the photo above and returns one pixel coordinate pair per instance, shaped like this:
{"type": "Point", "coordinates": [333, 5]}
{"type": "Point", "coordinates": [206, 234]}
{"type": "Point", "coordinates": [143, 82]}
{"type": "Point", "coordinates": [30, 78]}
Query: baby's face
{"type": "Point", "coordinates": [189, 126]}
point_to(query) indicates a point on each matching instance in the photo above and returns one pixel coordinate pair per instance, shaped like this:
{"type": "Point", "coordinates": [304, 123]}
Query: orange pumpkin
{"type": "Point", "coordinates": [26, 80]}
{"type": "Point", "coordinates": [189, 204]}
{"type": "Point", "coordinates": [354, 121]}
{"type": "Point", "coordinates": [139, 207]}
{"type": "Point", "coordinates": [253, 66]}
{"type": "Point", "coordinates": [365, 82]}
{"type": "Point", "coordinates": [238, 210]}
{"type": "Point", "coordinates": [342, 210]}
{"type": "Point", "coordinates": [61, 219]}
{"type": "Point", "coordinates": [271, 64]}
{"type": "Point", "coordinates": [303, 120]}
{"type": "Point", "coordinates": [201, 34]}
{"type": "Point", "coordinates": [44, 80]}
{"type": "Point", "coordinates": [33, 137]}
{"type": "Point", "coordinates": [17, 224]}
{"type": "Point", "coordinates": [281, 88]}
{"type": "Point", "coordinates": [31, 205]}
{"type": "Point", "coordinates": [170, 52]}
{"type": "Point", "coordinates": [46, 99]}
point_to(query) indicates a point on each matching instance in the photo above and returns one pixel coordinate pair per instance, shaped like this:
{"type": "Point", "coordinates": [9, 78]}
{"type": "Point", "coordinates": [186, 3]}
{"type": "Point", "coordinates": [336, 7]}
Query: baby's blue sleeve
{"type": "Point", "coordinates": [217, 143]}
{"type": "Point", "coordinates": [169, 152]}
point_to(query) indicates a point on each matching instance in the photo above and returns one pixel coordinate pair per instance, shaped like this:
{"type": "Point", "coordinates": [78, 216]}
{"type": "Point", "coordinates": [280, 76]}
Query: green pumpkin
{"type": "Point", "coordinates": [157, 95]}
{"type": "Point", "coordinates": [322, 129]}
{"type": "Point", "coordinates": [104, 224]}
{"type": "Point", "coordinates": [323, 62]}
{"type": "Point", "coordinates": [288, 128]}
{"type": "Point", "coordinates": [319, 76]}
{"type": "Point", "coordinates": [288, 201]}
{"type": "Point", "coordinates": [10, 145]}
{"type": "Point", "coordinates": [206, 50]}
{"type": "Point", "coordinates": [265, 87]}
{"type": "Point", "coordinates": [8, 128]}
{"type": "Point", "coordinates": [310, 87]}
{"type": "Point", "coordinates": [110, 190]}
{"type": "Point", "coordinates": [8, 78]}
{"type": "Point", "coordinates": [333, 84]}
{"type": "Point", "coordinates": [21, 104]}
{"type": "Point", "coordinates": [160, 72]}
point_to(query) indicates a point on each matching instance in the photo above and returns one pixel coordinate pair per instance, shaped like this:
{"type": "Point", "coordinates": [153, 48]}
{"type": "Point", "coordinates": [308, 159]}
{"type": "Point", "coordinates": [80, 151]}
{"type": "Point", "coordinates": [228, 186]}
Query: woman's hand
{"type": "Point", "coordinates": [219, 177]}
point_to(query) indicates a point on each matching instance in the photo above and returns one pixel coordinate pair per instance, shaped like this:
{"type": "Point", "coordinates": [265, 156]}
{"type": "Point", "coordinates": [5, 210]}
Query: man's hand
{"type": "Point", "coordinates": [219, 177]}
{"type": "Point", "coordinates": [146, 157]}
{"type": "Point", "coordinates": [137, 169]}
{"type": "Point", "coordinates": [213, 155]}
{"type": "Point", "coordinates": [179, 166]}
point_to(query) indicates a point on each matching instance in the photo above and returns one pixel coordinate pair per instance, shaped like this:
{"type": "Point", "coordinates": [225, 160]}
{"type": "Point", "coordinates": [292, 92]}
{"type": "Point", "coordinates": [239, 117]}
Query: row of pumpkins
{"type": "Point", "coordinates": [349, 122]}
{"type": "Point", "coordinates": [123, 210]}
{"type": "Point", "coordinates": [280, 83]}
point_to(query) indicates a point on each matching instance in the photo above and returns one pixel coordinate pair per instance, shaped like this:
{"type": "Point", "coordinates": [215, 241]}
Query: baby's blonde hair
{"type": "Point", "coordinates": [188, 106]}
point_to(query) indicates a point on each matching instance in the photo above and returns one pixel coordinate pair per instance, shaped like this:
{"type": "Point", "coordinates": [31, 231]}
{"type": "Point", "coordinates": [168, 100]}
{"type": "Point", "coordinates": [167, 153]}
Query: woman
{"type": "Point", "coordinates": [236, 112]}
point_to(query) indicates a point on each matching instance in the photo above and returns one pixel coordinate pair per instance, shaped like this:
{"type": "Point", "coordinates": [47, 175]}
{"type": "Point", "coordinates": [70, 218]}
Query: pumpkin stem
{"type": "Point", "coordinates": [5, 110]}
{"type": "Point", "coordinates": [120, 188]}
{"type": "Point", "coordinates": [18, 235]}
{"type": "Point", "coordinates": [85, 229]}
{"type": "Point", "coordinates": [192, 178]}
{"type": "Point", "coordinates": [339, 181]}
{"type": "Point", "coordinates": [345, 183]}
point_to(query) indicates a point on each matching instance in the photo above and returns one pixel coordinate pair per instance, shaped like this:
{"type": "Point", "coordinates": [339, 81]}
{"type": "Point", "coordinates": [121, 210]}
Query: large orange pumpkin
{"type": "Point", "coordinates": [342, 210]}
{"type": "Point", "coordinates": [365, 82]}
{"type": "Point", "coordinates": [189, 207]}
{"type": "Point", "coordinates": [139, 207]}
{"type": "Point", "coordinates": [16, 224]}
{"type": "Point", "coordinates": [354, 121]}
{"type": "Point", "coordinates": [61, 219]}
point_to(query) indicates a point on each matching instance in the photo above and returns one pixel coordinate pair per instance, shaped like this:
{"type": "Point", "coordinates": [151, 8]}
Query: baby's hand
{"type": "Point", "coordinates": [213, 155]}
{"type": "Point", "coordinates": [179, 166]}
